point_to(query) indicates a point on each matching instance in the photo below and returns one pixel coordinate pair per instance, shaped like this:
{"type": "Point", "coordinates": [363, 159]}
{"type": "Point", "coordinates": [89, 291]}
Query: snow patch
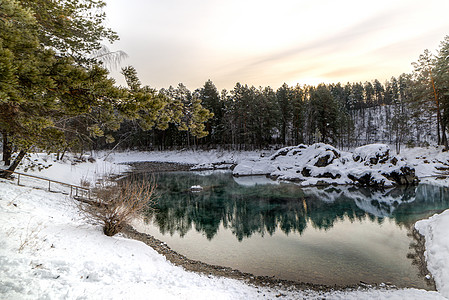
{"type": "Point", "coordinates": [435, 229]}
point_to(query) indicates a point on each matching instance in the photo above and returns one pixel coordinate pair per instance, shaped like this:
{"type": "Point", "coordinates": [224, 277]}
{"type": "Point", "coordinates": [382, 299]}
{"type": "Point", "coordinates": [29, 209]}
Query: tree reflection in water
{"type": "Point", "coordinates": [262, 209]}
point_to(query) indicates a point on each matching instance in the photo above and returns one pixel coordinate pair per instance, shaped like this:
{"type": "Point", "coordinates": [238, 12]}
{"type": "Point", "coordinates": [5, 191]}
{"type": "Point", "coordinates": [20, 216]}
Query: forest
{"type": "Point", "coordinates": [408, 110]}
{"type": "Point", "coordinates": [56, 96]}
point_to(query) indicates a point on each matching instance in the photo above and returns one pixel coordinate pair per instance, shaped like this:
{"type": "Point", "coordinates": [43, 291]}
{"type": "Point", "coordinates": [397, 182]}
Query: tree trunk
{"type": "Point", "coordinates": [439, 119]}
{"type": "Point", "coordinates": [14, 165]}
{"type": "Point", "coordinates": [6, 149]}
{"type": "Point", "coordinates": [444, 138]}
{"type": "Point", "coordinates": [63, 153]}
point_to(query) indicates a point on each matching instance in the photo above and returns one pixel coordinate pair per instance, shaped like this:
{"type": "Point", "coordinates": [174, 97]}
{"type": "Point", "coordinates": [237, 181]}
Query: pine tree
{"type": "Point", "coordinates": [378, 92]}
{"type": "Point", "coordinates": [31, 76]}
{"type": "Point", "coordinates": [74, 28]}
{"type": "Point", "coordinates": [369, 93]}
{"type": "Point", "coordinates": [210, 99]}
{"type": "Point", "coordinates": [442, 85]}
{"type": "Point", "coordinates": [298, 119]}
{"type": "Point", "coordinates": [325, 114]}
{"type": "Point", "coordinates": [426, 93]}
{"type": "Point", "coordinates": [283, 96]}
{"type": "Point", "coordinates": [53, 100]}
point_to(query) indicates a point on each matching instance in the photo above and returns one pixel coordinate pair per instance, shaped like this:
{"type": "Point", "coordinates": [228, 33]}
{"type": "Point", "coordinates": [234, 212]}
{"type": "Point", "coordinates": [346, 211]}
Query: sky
{"type": "Point", "coordinates": [267, 43]}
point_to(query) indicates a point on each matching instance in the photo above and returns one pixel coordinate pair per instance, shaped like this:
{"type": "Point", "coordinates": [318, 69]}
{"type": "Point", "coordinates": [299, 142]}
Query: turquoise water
{"type": "Point", "coordinates": [334, 235]}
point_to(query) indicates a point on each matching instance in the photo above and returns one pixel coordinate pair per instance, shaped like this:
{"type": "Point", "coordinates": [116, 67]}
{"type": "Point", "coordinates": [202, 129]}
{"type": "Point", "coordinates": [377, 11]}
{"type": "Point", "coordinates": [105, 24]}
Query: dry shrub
{"type": "Point", "coordinates": [84, 182]}
{"type": "Point", "coordinates": [117, 203]}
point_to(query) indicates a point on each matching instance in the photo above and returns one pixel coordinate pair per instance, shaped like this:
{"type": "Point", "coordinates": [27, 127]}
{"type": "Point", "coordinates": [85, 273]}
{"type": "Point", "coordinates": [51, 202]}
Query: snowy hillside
{"type": "Point", "coordinates": [374, 125]}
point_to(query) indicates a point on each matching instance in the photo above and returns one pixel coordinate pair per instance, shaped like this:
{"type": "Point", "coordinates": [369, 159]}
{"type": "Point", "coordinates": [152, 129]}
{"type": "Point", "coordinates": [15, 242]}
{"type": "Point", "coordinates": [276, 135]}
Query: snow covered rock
{"type": "Point", "coordinates": [322, 164]}
{"type": "Point", "coordinates": [221, 165]}
{"type": "Point", "coordinates": [377, 157]}
{"type": "Point", "coordinates": [405, 175]}
{"type": "Point", "coordinates": [196, 188]}
{"type": "Point", "coordinates": [372, 154]}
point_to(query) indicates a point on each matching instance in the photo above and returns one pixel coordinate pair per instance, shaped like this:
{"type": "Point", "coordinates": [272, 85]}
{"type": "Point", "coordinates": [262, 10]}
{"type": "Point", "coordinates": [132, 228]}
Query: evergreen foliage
{"type": "Point", "coordinates": [55, 95]}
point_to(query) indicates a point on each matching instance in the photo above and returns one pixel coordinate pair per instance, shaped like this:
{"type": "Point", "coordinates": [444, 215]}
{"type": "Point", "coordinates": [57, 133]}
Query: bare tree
{"type": "Point", "coordinates": [117, 203]}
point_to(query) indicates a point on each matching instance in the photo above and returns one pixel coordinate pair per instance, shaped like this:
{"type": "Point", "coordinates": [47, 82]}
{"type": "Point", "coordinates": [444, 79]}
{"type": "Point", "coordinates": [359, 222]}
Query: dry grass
{"type": "Point", "coordinates": [117, 203]}
{"type": "Point", "coordinates": [30, 238]}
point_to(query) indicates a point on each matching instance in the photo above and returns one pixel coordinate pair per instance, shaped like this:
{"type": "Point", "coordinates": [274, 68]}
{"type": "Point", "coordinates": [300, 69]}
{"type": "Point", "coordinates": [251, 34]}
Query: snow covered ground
{"type": "Point", "coordinates": [49, 251]}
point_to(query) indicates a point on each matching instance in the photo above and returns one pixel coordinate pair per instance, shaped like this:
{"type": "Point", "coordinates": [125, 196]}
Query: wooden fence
{"type": "Point", "coordinates": [75, 190]}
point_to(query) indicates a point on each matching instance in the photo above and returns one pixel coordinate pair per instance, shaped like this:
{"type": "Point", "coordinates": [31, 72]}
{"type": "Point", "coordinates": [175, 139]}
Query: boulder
{"type": "Point", "coordinates": [372, 154]}
{"type": "Point", "coordinates": [403, 176]}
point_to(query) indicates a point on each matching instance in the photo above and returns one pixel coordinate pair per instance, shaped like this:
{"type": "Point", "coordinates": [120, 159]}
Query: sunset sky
{"type": "Point", "coordinates": [267, 43]}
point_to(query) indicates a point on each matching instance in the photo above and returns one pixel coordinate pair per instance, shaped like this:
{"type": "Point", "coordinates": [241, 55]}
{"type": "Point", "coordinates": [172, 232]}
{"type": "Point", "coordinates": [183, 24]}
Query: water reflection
{"type": "Point", "coordinates": [250, 208]}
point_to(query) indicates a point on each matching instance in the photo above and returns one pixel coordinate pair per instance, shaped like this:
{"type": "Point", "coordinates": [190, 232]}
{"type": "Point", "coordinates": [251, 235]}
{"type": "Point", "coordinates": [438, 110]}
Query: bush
{"type": "Point", "coordinates": [117, 203]}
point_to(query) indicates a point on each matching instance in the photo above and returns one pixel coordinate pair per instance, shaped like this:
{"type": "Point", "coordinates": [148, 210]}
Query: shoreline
{"type": "Point", "coordinates": [216, 270]}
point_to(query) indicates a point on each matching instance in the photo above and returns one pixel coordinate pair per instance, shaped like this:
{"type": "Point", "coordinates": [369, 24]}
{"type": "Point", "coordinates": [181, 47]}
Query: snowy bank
{"type": "Point", "coordinates": [430, 164]}
{"type": "Point", "coordinates": [49, 251]}
{"type": "Point", "coordinates": [435, 229]}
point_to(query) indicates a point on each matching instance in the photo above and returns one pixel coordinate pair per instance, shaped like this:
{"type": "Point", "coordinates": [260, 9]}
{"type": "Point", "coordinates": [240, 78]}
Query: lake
{"type": "Point", "coordinates": [335, 235]}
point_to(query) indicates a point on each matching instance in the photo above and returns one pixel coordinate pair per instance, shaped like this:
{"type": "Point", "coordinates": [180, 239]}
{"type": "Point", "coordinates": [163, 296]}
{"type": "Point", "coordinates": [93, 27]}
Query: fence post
{"type": "Point", "coordinates": [49, 185]}
{"type": "Point", "coordinates": [18, 179]}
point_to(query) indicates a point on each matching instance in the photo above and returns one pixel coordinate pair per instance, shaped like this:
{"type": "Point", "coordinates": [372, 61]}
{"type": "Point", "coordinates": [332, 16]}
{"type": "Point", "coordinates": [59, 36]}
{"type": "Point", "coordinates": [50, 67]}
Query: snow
{"type": "Point", "coordinates": [321, 163]}
{"type": "Point", "coordinates": [435, 229]}
{"type": "Point", "coordinates": [184, 156]}
{"type": "Point", "coordinates": [196, 188]}
{"type": "Point", "coordinates": [49, 251]}
{"type": "Point", "coordinates": [371, 152]}
{"type": "Point", "coordinates": [67, 258]}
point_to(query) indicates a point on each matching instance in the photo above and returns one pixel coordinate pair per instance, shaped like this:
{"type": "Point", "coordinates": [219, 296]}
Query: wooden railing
{"type": "Point", "coordinates": [75, 190]}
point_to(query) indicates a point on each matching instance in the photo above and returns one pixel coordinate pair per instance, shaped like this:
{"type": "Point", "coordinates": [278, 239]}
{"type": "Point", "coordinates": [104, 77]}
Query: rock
{"type": "Point", "coordinates": [327, 155]}
{"type": "Point", "coordinates": [306, 172]}
{"type": "Point", "coordinates": [323, 161]}
{"type": "Point", "coordinates": [404, 176]}
{"type": "Point", "coordinates": [366, 180]}
{"type": "Point", "coordinates": [372, 154]}
{"type": "Point", "coordinates": [284, 151]}
{"type": "Point", "coordinates": [369, 165]}
{"type": "Point", "coordinates": [329, 175]}
{"type": "Point", "coordinates": [196, 188]}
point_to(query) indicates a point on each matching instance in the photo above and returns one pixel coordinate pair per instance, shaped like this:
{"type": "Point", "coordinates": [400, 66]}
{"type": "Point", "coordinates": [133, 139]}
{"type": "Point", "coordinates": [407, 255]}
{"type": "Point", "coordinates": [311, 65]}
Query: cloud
{"type": "Point", "coordinates": [344, 72]}
{"type": "Point", "coordinates": [267, 43]}
{"type": "Point", "coordinates": [333, 42]}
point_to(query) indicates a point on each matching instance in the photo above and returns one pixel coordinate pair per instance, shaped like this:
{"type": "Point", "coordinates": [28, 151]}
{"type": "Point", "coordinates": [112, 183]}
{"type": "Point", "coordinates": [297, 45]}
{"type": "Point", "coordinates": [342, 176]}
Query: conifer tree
{"type": "Point", "coordinates": [426, 94]}
{"type": "Point", "coordinates": [325, 114]}
{"type": "Point", "coordinates": [74, 28]}
{"type": "Point", "coordinates": [283, 96]}
{"type": "Point", "coordinates": [210, 99]}
{"type": "Point", "coordinates": [51, 97]}
{"type": "Point", "coordinates": [442, 85]}
{"type": "Point", "coordinates": [298, 118]}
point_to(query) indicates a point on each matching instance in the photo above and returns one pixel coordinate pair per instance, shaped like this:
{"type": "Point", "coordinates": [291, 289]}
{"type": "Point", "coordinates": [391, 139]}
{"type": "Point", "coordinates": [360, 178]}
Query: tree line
{"type": "Point", "coordinates": [55, 91]}
{"type": "Point", "coordinates": [56, 95]}
{"type": "Point", "coordinates": [410, 109]}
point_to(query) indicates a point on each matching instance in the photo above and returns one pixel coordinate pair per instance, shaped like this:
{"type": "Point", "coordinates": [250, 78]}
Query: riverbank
{"type": "Point", "coordinates": [48, 249]}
